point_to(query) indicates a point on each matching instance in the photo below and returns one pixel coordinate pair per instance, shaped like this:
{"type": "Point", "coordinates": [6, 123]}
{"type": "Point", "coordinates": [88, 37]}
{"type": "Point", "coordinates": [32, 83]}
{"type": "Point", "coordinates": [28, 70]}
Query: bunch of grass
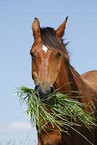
{"type": "Point", "coordinates": [57, 110]}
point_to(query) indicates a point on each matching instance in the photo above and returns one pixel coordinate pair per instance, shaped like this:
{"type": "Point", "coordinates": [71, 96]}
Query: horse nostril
{"type": "Point", "coordinates": [52, 89]}
{"type": "Point", "coordinates": [37, 87]}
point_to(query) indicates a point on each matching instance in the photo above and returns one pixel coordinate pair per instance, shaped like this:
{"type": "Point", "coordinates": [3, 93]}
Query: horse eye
{"type": "Point", "coordinates": [33, 77]}
{"type": "Point", "coordinates": [32, 55]}
{"type": "Point", "coordinates": [58, 55]}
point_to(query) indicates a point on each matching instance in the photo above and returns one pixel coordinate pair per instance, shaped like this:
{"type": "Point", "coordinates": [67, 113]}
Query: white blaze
{"type": "Point", "coordinates": [44, 48]}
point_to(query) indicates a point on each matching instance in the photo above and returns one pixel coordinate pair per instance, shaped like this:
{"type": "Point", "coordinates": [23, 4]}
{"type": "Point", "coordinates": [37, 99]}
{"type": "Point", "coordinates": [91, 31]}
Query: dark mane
{"type": "Point", "coordinates": [49, 38]}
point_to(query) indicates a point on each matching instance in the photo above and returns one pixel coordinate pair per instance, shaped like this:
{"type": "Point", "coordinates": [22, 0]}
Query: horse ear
{"type": "Point", "coordinates": [36, 28]}
{"type": "Point", "coordinates": [61, 28]}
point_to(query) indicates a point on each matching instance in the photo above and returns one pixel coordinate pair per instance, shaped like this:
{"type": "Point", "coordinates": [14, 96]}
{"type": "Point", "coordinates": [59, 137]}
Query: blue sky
{"type": "Point", "coordinates": [16, 18]}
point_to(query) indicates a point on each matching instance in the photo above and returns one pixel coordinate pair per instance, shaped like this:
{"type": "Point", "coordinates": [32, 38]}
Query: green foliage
{"type": "Point", "coordinates": [58, 110]}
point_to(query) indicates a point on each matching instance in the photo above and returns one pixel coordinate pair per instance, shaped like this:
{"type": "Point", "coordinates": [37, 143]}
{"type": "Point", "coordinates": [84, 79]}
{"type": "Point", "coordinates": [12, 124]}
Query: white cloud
{"type": "Point", "coordinates": [15, 126]}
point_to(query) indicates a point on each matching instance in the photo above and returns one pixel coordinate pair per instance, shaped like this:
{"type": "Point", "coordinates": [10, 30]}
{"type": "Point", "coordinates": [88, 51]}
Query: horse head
{"type": "Point", "coordinates": [48, 53]}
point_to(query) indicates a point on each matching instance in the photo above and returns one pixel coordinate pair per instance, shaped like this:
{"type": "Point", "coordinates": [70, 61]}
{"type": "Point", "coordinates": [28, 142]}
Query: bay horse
{"type": "Point", "coordinates": [51, 69]}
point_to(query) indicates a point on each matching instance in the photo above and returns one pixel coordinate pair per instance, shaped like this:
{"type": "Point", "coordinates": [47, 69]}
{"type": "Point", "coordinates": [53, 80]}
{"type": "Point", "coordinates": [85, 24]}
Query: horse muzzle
{"type": "Point", "coordinates": [41, 92]}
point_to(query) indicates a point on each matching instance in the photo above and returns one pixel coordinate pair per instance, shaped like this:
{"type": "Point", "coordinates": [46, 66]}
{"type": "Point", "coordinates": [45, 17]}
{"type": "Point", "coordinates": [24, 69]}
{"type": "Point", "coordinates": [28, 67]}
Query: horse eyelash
{"type": "Point", "coordinates": [58, 55]}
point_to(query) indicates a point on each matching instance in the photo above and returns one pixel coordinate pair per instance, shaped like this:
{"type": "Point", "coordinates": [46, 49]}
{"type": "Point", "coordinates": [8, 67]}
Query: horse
{"type": "Point", "coordinates": [51, 69]}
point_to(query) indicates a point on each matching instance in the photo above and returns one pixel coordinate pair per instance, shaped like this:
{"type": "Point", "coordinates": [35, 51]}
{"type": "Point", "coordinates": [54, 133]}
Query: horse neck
{"type": "Point", "coordinates": [75, 86]}
{"type": "Point", "coordinates": [77, 83]}
{"type": "Point", "coordinates": [80, 87]}
{"type": "Point", "coordinates": [69, 80]}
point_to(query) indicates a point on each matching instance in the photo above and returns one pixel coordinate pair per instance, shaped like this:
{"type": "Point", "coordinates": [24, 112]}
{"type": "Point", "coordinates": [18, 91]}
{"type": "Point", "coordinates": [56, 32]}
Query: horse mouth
{"type": "Point", "coordinates": [41, 93]}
